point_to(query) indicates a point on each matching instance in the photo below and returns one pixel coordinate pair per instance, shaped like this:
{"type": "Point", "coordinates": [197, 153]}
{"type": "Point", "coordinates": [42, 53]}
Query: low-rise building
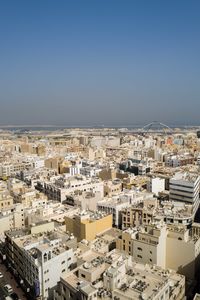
{"type": "Point", "coordinates": [112, 187]}
{"type": "Point", "coordinates": [146, 244]}
{"type": "Point", "coordinates": [156, 185]}
{"type": "Point", "coordinates": [86, 225]}
{"type": "Point", "coordinates": [38, 260]}
{"type": "Point", "coordinates": [169, 246]}
{"type": "Point", "coordinates": [115, 276]}
{"type": "Point", "coordinates": [114, 206]}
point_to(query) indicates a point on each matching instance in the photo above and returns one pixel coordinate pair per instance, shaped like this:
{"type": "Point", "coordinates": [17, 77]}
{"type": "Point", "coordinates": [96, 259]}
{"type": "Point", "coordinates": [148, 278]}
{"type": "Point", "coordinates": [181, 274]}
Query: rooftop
{"type": "Point", "coordinates": [186, 176]}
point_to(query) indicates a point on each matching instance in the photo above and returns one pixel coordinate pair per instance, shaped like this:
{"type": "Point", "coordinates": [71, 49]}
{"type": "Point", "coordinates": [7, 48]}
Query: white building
{"type": "Point", "coordinates": [39, 260]}
{"type": "Point", "coordinates": [156, 185]}
{"type": "Point", "coordinates": [184, 187]}
{"type": "Point", "coordinates": [60, 187]}
{"type": "Point", "coordinates": [114, 206]}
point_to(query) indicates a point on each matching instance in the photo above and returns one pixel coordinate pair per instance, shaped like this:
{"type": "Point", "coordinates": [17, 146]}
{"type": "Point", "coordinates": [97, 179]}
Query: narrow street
{"type": "Point", "coordinates": [8, 278]}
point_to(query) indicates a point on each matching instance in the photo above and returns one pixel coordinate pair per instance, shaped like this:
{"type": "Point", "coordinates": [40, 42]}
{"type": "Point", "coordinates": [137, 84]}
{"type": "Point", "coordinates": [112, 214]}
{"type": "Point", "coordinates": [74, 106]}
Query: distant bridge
{"type": "Point", "coordinates": [157, 126]}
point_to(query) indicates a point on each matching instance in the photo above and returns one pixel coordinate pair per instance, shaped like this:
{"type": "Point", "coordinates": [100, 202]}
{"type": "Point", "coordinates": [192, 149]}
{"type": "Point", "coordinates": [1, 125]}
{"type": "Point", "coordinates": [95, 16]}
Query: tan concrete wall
{"type": "Point", "coordinates": [180, 256]}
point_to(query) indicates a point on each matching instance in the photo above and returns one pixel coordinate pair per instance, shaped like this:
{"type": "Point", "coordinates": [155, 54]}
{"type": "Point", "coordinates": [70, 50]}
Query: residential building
{"type": "Point", "coordinates": [87, 225]}
{"type": "Point", "coordinates": [185, 187]}
{"type": "Point", "coordinates": [38, 260]}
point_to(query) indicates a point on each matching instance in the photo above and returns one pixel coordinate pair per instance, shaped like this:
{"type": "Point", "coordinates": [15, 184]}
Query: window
{"type": "Point", "coordinates": [62, 262]}
{"type": "Point", "coordinates": [139, 256]}
{"type": "Point", "coordinates": [83, 275]}
{"type": "Point", "coordinates": [140, 249]}
{"type": "Point", "coordinates": [63, 270]}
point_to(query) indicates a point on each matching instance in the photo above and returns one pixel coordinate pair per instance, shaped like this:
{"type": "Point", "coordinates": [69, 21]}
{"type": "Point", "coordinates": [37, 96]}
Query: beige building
{"type": "Point", "coordinates": [16, 186]}
{"type": "Point", "coordinates": [141, 211]}
{"type": "Point", "coordinates": [167, 246]}
{"type": "Point", "coordinates": [28, 196]}
{"type": "Point", "coordinates": [137, 215]}
{"type": "Point", "coordinates": [116, 276]}
{"type": "Point", "coordinates": [84, 200]}
{"type": "Point", "coordinates": [108, 174]}
{"type": "Point", "coordinates": [146, 244]}
{"type": "Point", "coordinates": [53, 163]}
{"type": "Point", "coordinates": [112, 187]}
{"type": "Point", "coordinates": [87, 225]}
{"type": "Point", "coordinates": [6, 201]}
{"type": "Point", "coordinates": [183, 252]}
{"type": "Point", "coordinates": [195, 229]}
{"type": "Point", "coordinates": [12, 218]}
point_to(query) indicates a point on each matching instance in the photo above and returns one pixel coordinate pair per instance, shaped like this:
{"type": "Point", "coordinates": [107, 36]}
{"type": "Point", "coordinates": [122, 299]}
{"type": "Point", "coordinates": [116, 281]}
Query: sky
{"type": "Point", "coordinates": [94, 62]}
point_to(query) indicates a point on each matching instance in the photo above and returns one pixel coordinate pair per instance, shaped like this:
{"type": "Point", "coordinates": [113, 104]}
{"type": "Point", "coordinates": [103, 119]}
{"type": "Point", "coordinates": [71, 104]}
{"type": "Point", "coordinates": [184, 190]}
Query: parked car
{"type": "Point", "coordinates": [1, 275]}
{"type": "Point", "coordinates": [14, 296]}
{"type": "Point", "coordinates": [8, 288]}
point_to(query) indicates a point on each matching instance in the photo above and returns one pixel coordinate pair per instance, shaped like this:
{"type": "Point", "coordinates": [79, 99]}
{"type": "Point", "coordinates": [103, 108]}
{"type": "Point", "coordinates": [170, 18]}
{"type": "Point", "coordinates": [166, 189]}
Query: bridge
{"type": "Point", "coordinates": [157, 127]}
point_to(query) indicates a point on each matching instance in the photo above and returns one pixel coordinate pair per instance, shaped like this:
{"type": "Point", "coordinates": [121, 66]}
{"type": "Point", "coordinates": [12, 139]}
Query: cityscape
{"type": "Point", "coordinates": [99, 150]}
{"type": "Point", "coordinates": [100, 213]}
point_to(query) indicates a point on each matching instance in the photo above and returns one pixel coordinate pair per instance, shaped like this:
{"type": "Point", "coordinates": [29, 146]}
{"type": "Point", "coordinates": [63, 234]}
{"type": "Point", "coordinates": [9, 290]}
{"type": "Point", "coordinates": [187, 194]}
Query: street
{"type": "Point", "coordinates": [8, 278]}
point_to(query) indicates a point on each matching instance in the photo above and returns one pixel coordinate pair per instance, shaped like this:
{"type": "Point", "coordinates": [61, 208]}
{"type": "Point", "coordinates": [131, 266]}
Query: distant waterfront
{"type": "Point", "coordinates": [27, 128]}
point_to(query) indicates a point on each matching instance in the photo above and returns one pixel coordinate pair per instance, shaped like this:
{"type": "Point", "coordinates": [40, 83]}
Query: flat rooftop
{"type": "Point", "coordinates": [185, 176]}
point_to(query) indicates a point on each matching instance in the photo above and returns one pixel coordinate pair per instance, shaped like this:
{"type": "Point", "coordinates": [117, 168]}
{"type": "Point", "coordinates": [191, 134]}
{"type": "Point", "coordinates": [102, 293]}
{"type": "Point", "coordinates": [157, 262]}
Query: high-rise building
{"type": "Point", "coordinates": [184, 187]}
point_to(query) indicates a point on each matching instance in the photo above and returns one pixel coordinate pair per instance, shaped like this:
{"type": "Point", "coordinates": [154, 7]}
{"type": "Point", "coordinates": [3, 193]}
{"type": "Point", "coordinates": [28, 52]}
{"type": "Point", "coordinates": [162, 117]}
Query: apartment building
{"type": "Point", "coordinates": [146, 244]}
{"type": "Point", "coordinates": [156, 185]}
{"type": "Point", "coordinates": [137, 215]}
{"type": "Point", "coordinates": [185, 187]}
{"type": "Point", "coordinates": [176, 213]}
{"type": "Point", "coordinates": [11, 218]}
{"type": "Point", "coordinates": [183, 251]}
{"type": "Point", "coordinates": [169, 246]}
{"type": "Point", "coordinates": [38, 260]}
{"type": "Point", "coordinates": [61, 187]}
{"type": "Point", "coordinates": [138, 167]}
{"type": "Point", "coordinates": [114, 206]}
{"type": "Point", "coordinates": [112, 187]}
{"type": "Point", "coordinates": [178, 160]}
{"type": "Point", "coordinates": [116, 276]}
{"type": "Point", "coordinates": [138, 281]}
{"type": "Point", "coordinates": [6, 201]}
{"type": "Point", "coordinates": [9, 169]}
{"type": "Point", "coordinates": [86, 225]}
{"type": "Point", "coordinates": [84, 200]}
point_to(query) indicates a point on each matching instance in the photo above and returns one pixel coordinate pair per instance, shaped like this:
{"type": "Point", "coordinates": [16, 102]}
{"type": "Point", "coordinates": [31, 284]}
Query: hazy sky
{"type": "Point", "coordinates": [99, 61]}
